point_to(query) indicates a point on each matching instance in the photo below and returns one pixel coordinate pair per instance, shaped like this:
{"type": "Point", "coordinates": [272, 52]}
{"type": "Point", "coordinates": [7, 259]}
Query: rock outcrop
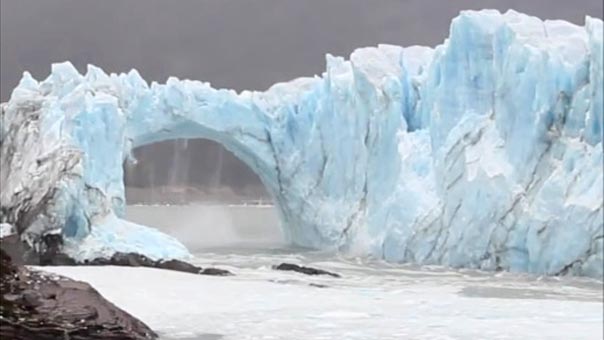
{"type": "Point", "coordinates": [39, 306]}
{"type": "Point", "coordinates": [304, 270]}
{"type": "Point", "coordinates": [137, 260]}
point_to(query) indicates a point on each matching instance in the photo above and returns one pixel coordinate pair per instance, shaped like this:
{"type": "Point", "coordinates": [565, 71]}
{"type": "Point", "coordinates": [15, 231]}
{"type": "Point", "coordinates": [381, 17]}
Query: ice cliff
{"type": "Point", "coordinates": [484, 152]}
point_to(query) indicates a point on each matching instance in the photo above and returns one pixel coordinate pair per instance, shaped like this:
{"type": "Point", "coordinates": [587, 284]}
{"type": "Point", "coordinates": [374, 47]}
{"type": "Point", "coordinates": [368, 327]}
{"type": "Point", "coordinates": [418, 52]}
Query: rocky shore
{"type": "Point", "coordinates": [35, 305]}
{"type": "Point", "coordinates": [39, 306]}
{"type": "Point", "coordinates": [303, 270]}
{"type": "Point", "coordinates": [53, 256]}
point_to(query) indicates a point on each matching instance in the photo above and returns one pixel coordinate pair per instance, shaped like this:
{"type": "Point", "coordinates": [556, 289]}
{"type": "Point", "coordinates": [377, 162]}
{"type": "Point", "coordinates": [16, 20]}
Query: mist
{"type": "Point", "coordinates": [202, 227]}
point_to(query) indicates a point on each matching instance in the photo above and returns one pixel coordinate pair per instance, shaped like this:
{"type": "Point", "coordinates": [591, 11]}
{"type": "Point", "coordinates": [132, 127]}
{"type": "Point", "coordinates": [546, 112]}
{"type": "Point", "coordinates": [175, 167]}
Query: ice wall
{"type": "Point", "coordinates": [485, 152]}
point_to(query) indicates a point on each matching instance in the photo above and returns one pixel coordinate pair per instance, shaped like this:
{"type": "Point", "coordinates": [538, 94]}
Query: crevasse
{"type": "Point", "coordinates": [484, 152]}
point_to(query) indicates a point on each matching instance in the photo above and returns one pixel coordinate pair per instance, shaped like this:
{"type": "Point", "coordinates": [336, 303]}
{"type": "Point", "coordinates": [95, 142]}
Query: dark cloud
{"type": "Point", "coordinates": [231, 43]}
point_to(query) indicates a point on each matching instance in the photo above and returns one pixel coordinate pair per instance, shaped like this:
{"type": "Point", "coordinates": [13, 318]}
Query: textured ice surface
{"type": "Point", "coordinates": [485, 152]}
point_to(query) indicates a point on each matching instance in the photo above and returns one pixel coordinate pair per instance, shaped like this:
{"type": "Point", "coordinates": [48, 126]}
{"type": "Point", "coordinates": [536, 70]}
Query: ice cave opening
{"type": "Point", "coordinates": [200, 193]}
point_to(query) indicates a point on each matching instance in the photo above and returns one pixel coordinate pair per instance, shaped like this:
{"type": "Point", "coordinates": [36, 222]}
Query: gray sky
{"type": "Point", "coordinates": [240, 44]}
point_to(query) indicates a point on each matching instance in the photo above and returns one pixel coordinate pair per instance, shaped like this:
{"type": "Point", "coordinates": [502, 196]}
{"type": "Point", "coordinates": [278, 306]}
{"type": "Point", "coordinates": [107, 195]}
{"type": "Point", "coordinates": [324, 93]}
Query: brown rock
{"type": "Point", "coordinates": [40, 306]}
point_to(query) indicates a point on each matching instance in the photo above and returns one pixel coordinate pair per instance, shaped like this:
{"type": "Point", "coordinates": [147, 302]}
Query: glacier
{"type": "Point", "coordinates": [484, 152]}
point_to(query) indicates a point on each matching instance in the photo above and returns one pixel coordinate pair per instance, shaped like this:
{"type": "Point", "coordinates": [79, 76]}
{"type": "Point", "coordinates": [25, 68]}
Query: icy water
{"type": "Point", "coordinates": [372, 300]}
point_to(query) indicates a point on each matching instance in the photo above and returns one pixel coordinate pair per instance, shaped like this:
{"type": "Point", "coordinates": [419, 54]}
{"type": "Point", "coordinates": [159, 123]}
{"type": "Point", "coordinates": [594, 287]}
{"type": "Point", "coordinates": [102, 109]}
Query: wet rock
{"type": "Point", "coordinates": [216, 272]}
{"type": "Point", "coordinates": [15, 249]}
{"type": "Point", "coordinates": [304, 270]}
{"type": "Point", "coordinates": [124, 259]}
{"type": "Point", "coordinates": [48, 254]}
{"type": "Point", "coordinates": [180, 266]}
{"type": "Point", "coordinates": [52, 255]}
{"type": "Point", "coordinates": [137, 260]}
{"type": "Point", "coordinates": [56, 260]}
{"type": "Point", "coordinates": [30, 298]}
{"type": "Point", "coordinates": [186, 267]}
{"type": "Point", "coordinates": [39, 306]}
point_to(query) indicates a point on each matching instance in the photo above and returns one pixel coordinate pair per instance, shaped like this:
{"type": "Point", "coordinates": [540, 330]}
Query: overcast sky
{"type": "Point", "coordinates": [240, 44]}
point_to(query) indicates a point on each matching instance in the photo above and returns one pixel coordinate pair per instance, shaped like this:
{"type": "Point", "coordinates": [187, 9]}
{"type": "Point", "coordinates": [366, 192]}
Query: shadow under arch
{"type": "Point", "coordinates": [200, 193]}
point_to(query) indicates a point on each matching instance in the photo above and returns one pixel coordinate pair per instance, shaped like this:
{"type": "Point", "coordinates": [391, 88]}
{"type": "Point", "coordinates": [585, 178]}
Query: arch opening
{"type": "Point", "coordinates": [202, 194]}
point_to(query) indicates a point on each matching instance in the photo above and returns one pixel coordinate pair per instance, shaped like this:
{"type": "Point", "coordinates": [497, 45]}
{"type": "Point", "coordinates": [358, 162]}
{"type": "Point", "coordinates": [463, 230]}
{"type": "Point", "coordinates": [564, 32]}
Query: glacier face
{"type": "Point", "coordinates": [484, 152]}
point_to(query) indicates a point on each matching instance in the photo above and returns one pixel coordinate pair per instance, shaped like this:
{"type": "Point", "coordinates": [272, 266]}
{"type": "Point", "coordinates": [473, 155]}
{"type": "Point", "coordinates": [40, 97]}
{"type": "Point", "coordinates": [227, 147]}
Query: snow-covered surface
{"type": "Point", "coordinates": [370, 301]}
{"type": "Point", "coordinates": [484, 152]}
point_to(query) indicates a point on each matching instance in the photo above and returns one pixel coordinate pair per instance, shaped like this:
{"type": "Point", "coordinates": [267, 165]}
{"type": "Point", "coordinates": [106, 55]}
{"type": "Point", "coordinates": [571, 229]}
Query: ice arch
{"type": "Point", "coordinates": [97, 119]}
{"type": "Point", "coordinates": [485, 152]}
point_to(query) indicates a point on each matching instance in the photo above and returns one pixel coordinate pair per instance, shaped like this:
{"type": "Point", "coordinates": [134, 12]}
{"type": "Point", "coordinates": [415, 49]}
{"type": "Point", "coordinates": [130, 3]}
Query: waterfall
{"type": "Point", "coordinates": [216, 179]}
{"type": "Point", "coordinates": [179, 169]}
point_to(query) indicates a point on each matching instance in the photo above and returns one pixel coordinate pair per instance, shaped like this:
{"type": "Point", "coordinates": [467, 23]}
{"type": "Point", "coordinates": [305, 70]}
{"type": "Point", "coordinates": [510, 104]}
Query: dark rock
{"type": "Point", "coordinates": [53, 243]}
{"type": "Point", "coordinates": [30, 298]}
{"type": "Point", "coordinates": [39, 306]}
{"type": "Point", "coordinates": [186, 267]}
{"type": "Point", "coordinates": [48, 254]}
{"type": "Point", "coordinates": [8, 268]}
{"type": "Point", "coordinates": [216, 272]}
{"type": "Point", "coordinates": [137, 260]}
{"type": "Point", "coordinates": [16, 250]}
{"type": "Point", "coordinates": [59, 259]}
{"type": "Point", "coordinates": [129, 260]}
{"type": "Point", "coordinates": [52, 255]}
{"type": "Point", "coordinates": [180, 266]}
{"type": "Point", "coordinates": [304, 270]}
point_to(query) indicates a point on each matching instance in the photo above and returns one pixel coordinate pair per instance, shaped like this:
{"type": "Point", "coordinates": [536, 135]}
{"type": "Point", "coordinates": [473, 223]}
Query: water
{"type": "Point", "coordinates": [372, 299]}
